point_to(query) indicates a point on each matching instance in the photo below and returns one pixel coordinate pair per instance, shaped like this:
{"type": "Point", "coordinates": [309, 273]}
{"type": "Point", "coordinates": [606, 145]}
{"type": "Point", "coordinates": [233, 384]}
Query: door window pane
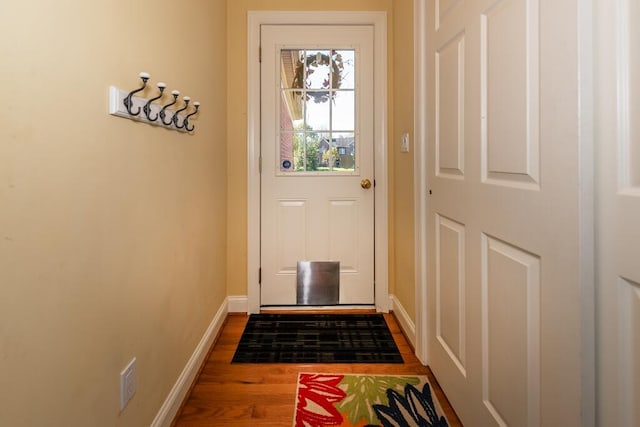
{"type": "Point", "coordinates": [345, 150]}
{"type": "Point", "coordinates": [318, 69]}
{"type": "Point", "coordinates": [344, 111]}
{"type": "Point", "coordinates": [317, 111]}
{"type": "Point", "coordinates": [292, 70]}
{"type": "Point", "coordinates": [291, 109]}
{"type": "Point", "coordinates": [343, 64]}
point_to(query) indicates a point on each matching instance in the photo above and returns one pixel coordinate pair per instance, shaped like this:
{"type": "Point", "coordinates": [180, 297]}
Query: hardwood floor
{"type": "Point", "coordinates": [263, 394]}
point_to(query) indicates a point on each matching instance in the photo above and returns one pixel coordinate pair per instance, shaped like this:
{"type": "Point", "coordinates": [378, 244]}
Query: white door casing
{"type": "Point", "coordinates": [378, 20]}
{"type": "Point", "coordinates": [498, 215]}
{"type": "Point", "coordinates": [618, 211]}
{"type": "Point", "coordinates": [317, 214]}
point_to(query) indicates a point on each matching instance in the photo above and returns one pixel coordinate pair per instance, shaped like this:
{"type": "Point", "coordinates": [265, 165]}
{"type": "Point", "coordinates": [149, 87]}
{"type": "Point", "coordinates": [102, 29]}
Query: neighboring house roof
{"type": "Point", "coordinates": [288, 62]}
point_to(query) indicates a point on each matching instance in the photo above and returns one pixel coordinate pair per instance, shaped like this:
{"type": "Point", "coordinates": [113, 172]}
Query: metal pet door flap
{"type": "Point", "coordinates": [318, 283]}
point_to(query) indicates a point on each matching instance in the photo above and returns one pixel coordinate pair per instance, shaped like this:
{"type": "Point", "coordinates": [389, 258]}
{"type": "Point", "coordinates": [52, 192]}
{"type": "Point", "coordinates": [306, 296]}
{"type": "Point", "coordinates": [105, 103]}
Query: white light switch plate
{"type": "Point", "coordinates": [404, 143]}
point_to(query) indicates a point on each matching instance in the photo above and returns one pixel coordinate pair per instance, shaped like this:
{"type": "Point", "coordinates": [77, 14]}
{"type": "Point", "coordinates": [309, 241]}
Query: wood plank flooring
{"type": "Point", "coordinates": [263, 394]}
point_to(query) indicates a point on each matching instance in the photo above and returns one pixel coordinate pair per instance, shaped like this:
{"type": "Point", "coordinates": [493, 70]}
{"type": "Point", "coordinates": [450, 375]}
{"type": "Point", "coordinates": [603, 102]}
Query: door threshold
{"type": "Point", "coordinates": [316, 309]}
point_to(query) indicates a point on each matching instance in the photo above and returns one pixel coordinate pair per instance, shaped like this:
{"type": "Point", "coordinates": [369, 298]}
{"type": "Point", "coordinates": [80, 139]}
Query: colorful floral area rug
{"type": "Point", "coordinates": [366, 400]}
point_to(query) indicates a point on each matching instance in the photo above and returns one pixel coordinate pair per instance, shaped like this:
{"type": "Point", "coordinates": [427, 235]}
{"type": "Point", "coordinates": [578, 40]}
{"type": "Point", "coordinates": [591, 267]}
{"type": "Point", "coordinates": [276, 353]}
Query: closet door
{"type": "Point", "coordinates": [618, 212]}
{"type": "Point", "coordinates": [503, 210]}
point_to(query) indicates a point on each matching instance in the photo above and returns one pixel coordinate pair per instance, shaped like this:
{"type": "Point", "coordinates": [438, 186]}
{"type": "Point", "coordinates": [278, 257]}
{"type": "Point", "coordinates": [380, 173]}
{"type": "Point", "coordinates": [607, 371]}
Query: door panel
{"type": "Point", "coordinates": [503, 286]}
{"type": "Point", "coordinates": [449, 118]}
{"type": "Point", "coordinates": [509, 93]}
{"type": "Point", "coordinates": [510, 333]}
{"type": "Point", "coordinates": [317, 147]}
{"type": "Point", "coordinates": [451, 290]}
{"type": "Point", "coordinates": [291, 215]}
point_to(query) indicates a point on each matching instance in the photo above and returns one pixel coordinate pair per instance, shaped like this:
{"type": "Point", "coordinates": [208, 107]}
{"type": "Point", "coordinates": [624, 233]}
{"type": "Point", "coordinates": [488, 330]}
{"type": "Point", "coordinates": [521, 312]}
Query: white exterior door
{"type": "Point", "coordinates": [618, 212]}
{"type": "Point", "coordinates": [503, 210]}
{"type": "Point", "coordinates": [317, 192]}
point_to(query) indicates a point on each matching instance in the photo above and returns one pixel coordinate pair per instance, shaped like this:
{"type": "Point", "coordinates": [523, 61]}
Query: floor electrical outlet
{"type": "Point", "coordinates": [128, 378]}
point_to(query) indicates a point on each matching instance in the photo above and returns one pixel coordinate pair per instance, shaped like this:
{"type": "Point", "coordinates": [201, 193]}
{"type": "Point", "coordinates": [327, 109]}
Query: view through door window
{"type": "Point", "coordinates": [317, 112]}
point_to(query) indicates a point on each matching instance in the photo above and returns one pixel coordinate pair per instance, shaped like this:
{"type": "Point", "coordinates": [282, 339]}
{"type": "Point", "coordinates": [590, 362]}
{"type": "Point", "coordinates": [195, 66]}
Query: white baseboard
{"type": "Point", "coordinates": [238, 303]}
{"type": "Point", "coordinates": [407, 325]}
{"type": "Point", "coordinates": [171, 405]}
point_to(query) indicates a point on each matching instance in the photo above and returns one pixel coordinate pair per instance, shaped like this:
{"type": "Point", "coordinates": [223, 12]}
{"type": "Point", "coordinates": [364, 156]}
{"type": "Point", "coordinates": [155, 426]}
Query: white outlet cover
{"type": "Point", "coordinates": [128, 383]}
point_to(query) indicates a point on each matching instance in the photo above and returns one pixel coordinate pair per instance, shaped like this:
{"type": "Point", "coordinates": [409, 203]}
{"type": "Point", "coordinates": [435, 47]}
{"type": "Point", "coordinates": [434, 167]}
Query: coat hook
{"type": "Point", "coordinates": [128, 101]}
{"type": "Point", "coordinates": [163, 113]}
{"type": "Point", "coordinates": [147, 106]}
{"type": "Point", "coordinates": [186, 100]}
{"type": "Point", "coordinates": [185, 122]}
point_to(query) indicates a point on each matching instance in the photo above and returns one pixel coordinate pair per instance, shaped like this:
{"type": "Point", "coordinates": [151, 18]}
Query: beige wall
{"type": "Point", "coordinates": [115, 238]}
{"type": "Point", "coordinates": [112, 233]}
{"type": "Point", "coordinates": [403, 261]}
{"type": "Point", "coordinates": [400, 91]}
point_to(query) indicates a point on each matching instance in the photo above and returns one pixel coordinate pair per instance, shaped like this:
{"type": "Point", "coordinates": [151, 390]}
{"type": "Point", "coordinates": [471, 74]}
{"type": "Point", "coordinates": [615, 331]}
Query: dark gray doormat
{"type": "Point", "coordinates": [317, 338]}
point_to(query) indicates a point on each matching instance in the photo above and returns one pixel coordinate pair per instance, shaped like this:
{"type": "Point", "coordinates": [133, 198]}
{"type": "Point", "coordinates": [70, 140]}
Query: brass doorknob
{"type": "Point", "coordinates": [365, 183]}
